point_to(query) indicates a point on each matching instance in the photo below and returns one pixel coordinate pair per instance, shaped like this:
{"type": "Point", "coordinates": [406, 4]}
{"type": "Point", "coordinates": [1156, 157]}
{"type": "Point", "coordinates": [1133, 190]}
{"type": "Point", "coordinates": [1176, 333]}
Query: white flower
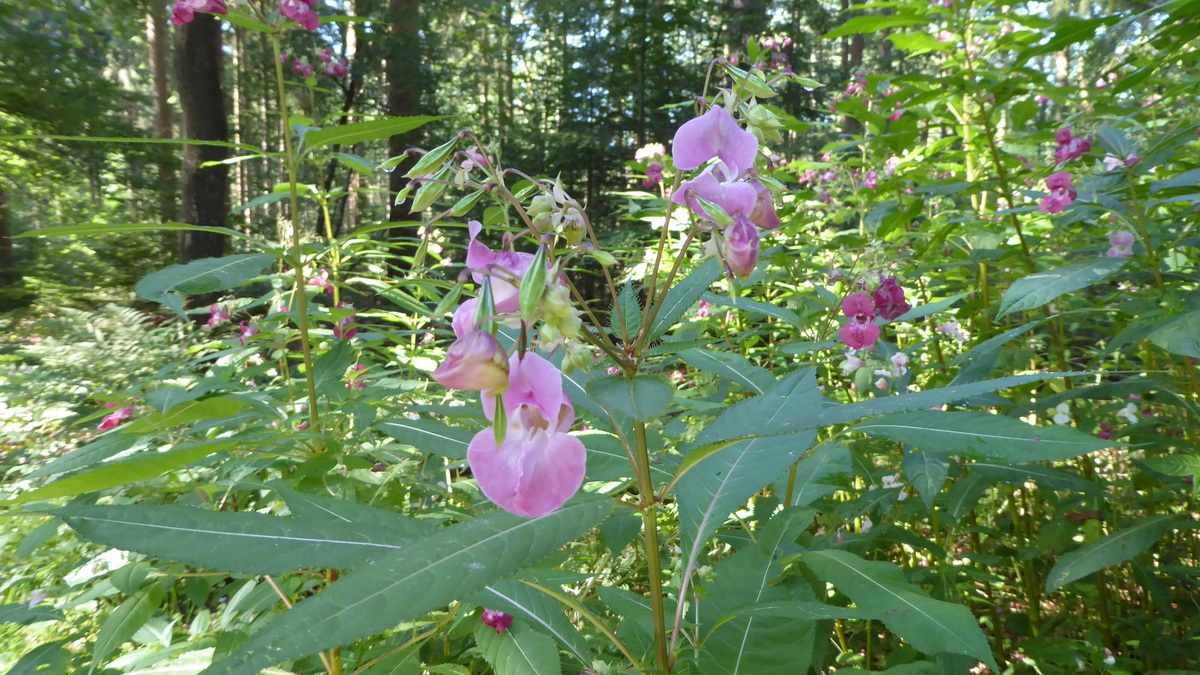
{"type": "Point", "coordinates": [903, 495]}
{"type": "Point", "coordinates": [899, 364]}
{"type": "Point", "coordinates": [952, 330]}
{"type": "Point", "coordinates": [649, 151]}
{"type": "Point", "coordinates": [851, 364]}
{"type": "Point", "coordinates": [1129, 413]}
{"type": "Point", "coordinates": [1062, 414]}
{"type": "Point", "coordinates": [892, 480]}
{"type": "Point", "coordinates": [866, 525]}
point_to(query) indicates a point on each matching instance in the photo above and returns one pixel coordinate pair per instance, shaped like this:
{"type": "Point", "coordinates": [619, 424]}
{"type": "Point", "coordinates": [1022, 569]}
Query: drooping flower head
{"type": "Point", "coordinates": [742, 244]}
{"type": "Point", "coordinates": [538, 466]}
{"type": "Point", "coordinates": [303, 12]}
{"type": "Point", "coordinates": [889, 299]}
{"type": "Point", "coordinates": [763, 214]}
{"type": "Point", "coordinates": [714, 134]}
{"type": "Point", "coordinates": [184, 11]}
{"type": "Point", "coordinates": [496, 620]}
{"type": "Point", "coordinates": [1062, 193]}
{"type": "Point", "coordinates": [116, 418]}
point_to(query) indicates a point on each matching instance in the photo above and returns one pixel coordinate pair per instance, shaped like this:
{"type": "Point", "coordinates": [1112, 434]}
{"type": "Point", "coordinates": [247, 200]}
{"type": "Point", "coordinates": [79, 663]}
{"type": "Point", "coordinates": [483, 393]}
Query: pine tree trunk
{"type": "Point", "coordinates": [404, 74]}
{"type": "Point", "coordinates": [207, 189]}
{"type": "Point", "coordinates": [156, 38]}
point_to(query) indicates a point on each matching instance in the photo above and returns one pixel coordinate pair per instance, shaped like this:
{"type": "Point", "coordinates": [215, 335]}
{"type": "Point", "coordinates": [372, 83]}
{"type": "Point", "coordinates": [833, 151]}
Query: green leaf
{"type": "Point", "coordinates": [432, 160]}
{"type": "Point", "coordinates": [930, 626]}
{"type": "Point", "coordinates": [1035, 290]}
{"type": "Point", "coordinates": [92, 229]}
{"type": "Point", "coordinates": [455, 562]}
{"type": "Point", "coordinates": [168, 286]}
{"type": "Point", "coordinates": [520, 650]}
{"type": "Point", "coordinates": [963, 495]}
{"type": "Point", "coordinates": [430, 436]}
{"type": "Point", "coordinates": [626, 317]}
{"type": "Point", "coordinates": [927, 472]}
{"type": "Point", "coordinates": [874, 22]}
{"type": "Point", "coordinates": [918, 43]}
{"type": "Point", "coordinates": [1047, 478]}
{"type": "Point", "coordinates": [983, 434]}
{"type": "Point", "coordinates": [929, 308]}
{"type": "Point", "coordinates": [825, 460]}
{"type": "Point", "coordinates": [261, 200]}
{"type": "Point", "coordinates": [685, 294]}
{"type": "Point", "coordinates": [248, 543]}
{"type": "Point", "coordinates": [979, 362]}
{"type": "Point", "coordinates": [1112, 550]}
{"type": "Point", "coordinates": [772, 412]}
{"type": "Point", "coordinates": [205, 409]}
{"type": "Point", "coordinates": [732, 367]}
{"type": "Point", "coordinates": [753, 307]}
{"type": "Point", "coordinates": [22, 614]}
{"type": "Point", "coordinates": [527, 604]}
{"type": "Point", "coordinates": [1186, 179]}
{"type": "Point", "coordinates": [124, 621]}
{"type": "Point", "coordinates": [1180, 336]}
{"type": "Point", "coordinates": [47, 659]}
{"type": "Point", "coordinates": [641, 398]}
{"type": "Point", "coordinates": [350, 134]}
{"type": "Point", "coordinates": [143, 466]}
{"type": "Point", "coordinates": [329, 370]}
{"type": "Point", "coordinates": [356, 163]}
{"type": "Point", "coordinates": [98, 450]}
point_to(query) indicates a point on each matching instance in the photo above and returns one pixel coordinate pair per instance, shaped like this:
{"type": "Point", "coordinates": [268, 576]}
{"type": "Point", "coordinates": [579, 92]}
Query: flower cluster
{"type": "Point", "coordinates": [860, 307]}
{"type": "Point", "coordinates": [526, 462]}
{"type": "Point", "coordinates": [184, 11]}
{"type": "Point", "coordinates": [724, 194]}
{"type": "Point", "coordinates": [335, 68]}
{"type": "Point", "coordinates": [217, 315]}
{"type": "Point", "coordinates": [303, 12]}
{"type": "Point", "coordinates": [1062, 193]}
{"type": "Point", "coordinates": [1070, 147]}
{"type": "Point", "coordinates": [778, 48]}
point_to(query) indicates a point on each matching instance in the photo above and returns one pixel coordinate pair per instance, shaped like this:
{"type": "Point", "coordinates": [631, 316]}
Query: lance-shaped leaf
{"type": "Point", "coordinates": [249, 543]}
{"type": "Point", "coordinates": [22, 614]}
{"type": "Point", "coordinates": [1035, 290]}
{"type": "Point", "coordinates": [1114, 549]}
{"type": "Point", "coordinates": [206, 275]}
{"type": "Point", "coordinates": [1053, 479]}
{"type": "Point", "coordinates": [430, 436]}
{"type": "Point", "coordinates": [207, 409]}
{"type": "Point", "coordinates": [927, 472]}
{"type": "Point", "coordinates": [350, 134]}
{"type": "Point", "coordinates": [683, 295]}
{"type": "Point", "coordinates": [529, 605]}
{"type": "Point", "coordinates": [931, 626]}
{"type": "Point", "coordinates": [520, 650]}
{"type": "Point", "coordinates": [983, 434]}
{"type": "Point", "coordinates": [732, 367]}
{"type": "Point", "coordinates": [1180, 335]}
{"type": "Point", "coordinates": [453, 563]}
{"type": "Point", "coordinates": [825, 460]}
{"type": "Point", "coordinates": [124, 621]}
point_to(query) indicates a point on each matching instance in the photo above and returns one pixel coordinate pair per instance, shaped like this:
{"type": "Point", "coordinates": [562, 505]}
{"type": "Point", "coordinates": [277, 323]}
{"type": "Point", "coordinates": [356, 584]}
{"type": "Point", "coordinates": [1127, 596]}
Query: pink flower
{"type": "Point", "coordinates": [301, 68]}
{"type": "Point", "coordinates": [703, 310]}
{"type": "Point", "coordinates": [859, 305]}
{"type": "Point", "coordinates": [246, 331]}
{"type": "Point", "coordinates": [1062, 193]}
{"type": "Point", "coordinates": [741, 253]}
{"type": "Point", "coordinates": [1106, 431]}
{"type": "Point", "coordinates": [302, 12]}
{"type": "Point", "coordinates": [1112, 163]}
{"type": "Point", "coordinates": [1063, 136]}
{"type": "Point", "coordinates": [322, 281]}
{"type": "Point", "coordinates": [654, 173]}
{"type": "Point", "coordinates": [184, 11]}
{"type": "Point", "coordinates": [326, 55]}
{"type": "Point", "coordinates": [889, 299]}
{"type": "Point", "coordinates": [217, 315]}
{"type": "Point", "coordinates": [1120, 244]}
{"type": "Point", "coordinates": [1069, 147]}
{"type": "Point", "coordinates": [474, 362]}
{"type": "Point", "coordinates": [497, 620]}
{"type": "Point", "coordinates": [505, 268]}
{"type": "Point", "coordinates": [346, 327]}
{"type": "Point", "coordinates": [763, 214]}
{"type": "Point", "coordinates": [871, 180]}
{"type": "Point", "coordinates": [890, 166]}
{"type": "Point", "coordinates": [1042, 100]}
{"type": "Point", "coordinates": [355, 379]}
{"type": "Point", "coordinates": [337, 69]}
{"type": "Point", "coordinates": [714, 134]}
{"type": "Point", "coordinates": [539, 466]}
{"type": "Point", "coordinates": [897, 111]}
{"type": "Point", "coordinates": [1132, 160]}
{"type": "Point", "coordinates": [859, 334]}
{"type": "Point", "coordinates": [115, 419]}
{"type": "Point", "coordinates": [737, 198]}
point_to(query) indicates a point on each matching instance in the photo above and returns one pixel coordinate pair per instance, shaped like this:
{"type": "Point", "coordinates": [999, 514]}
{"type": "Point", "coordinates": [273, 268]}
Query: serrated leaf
{"type": "Point", "coordinates": [1112, 550]}
{"type": "Point", "coordinates": [626, 317]}
{"type": "Point", "coordinates": [640, 398]}
{"type": "Point", "coordinates": [930, 626]}
{"type": "Point", "coordinates": [350, 134]}
{"type": "Point", "coordinates": [169, 285]}
{"type": "Point", "coordinates": [455, 562]}
{"type": "Point", "coordinates": [983, 434]}
{"type": "Point", "coordinates": [683, 295]}
{"type": "Point", "coordinates": [825, 460]}
{"type": "Point", "coordinates": [732, 367]}
{"type": "Point", "coordinates": [1035, 290]}
{"type": "Point", "coordinates": [188, 412]}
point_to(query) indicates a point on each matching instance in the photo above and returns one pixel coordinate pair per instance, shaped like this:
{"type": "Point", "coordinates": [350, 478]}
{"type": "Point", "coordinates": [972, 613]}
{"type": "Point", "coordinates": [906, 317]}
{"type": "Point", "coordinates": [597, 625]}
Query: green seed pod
{"type": "Point", "coordinates": [533, 285]}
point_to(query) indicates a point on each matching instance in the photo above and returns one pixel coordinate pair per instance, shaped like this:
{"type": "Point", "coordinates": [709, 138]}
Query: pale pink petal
{"type": "Point", "coordinates": [533, 473]}
{"type": "Point", "coordinates": [698, 140]}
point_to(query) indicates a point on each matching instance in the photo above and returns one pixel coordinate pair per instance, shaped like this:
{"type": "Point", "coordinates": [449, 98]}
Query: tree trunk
{"type": "Point", "coordinates": [203, 101]}
{"type": "Point", "coordinates": [156, 38]}
{"type": "Point", "coordinates": [9, 275]}
{"type": "Point", "coordinates": [404, 74]}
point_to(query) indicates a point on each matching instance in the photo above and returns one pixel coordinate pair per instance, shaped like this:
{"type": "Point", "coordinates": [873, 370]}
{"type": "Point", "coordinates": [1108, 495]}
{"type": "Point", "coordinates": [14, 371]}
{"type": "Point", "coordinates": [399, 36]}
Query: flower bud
{"type": "Point", "coordinates": [741, 248]}
{"type": "Point", "coordinates": [474, 362]}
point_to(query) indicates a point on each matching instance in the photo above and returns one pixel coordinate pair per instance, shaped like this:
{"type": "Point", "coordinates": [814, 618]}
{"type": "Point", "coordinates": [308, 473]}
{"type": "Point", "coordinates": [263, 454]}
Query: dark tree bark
{"type": "Point", "coordinates": [156, 38]}
{"type": "Point", "coordinates": [404, 81]}
{"type": "Point", "coordinates": [206, 189]}
{"type": "Point", "coordinates": [9, 275]}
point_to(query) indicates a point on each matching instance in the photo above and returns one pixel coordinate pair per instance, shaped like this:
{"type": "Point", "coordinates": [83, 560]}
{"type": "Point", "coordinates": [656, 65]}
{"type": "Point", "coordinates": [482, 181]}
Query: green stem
{"type": "Point", "coordinates": [314, 417]}
{"type": "Point", "coordinates": [650, 534]}
{"type": "Point", "coordinates": [335, 254]}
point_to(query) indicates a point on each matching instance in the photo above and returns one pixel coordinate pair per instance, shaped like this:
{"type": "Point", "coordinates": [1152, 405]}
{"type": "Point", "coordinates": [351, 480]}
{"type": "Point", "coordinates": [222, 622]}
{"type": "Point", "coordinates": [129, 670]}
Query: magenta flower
{"type": "Point", "coordinates": [246, 331]}
{"type": "Point", "coordinates": [889, 299]}
{"type": "Point", "coordinates": [1063, 136]}
{"type": "Point", "coordinates": [115, 419]}
{"type": "Point", "coordinates": [217, 315]}
{"type": "Point", "coordinates": [301, 68]}
{"type": "Point", "coordinates": [859, 305]}
{"type": "Point", "coordinates": [474, 362]}
{"type": "Point", "coordinates": [184, 11]}
{"type": "Point", "coordinates": [737, 198]}
{"type": "Point", "coordinates": [741, 253]}
{"type": "Point", "coordinates": [763, 214]}
{"type": "Point", "coordinates": [859, 334]}
{"type": "Point", "coordinates": [337, 69]}
{"type": "Point", "coordinates": [322, 281]}
{"type": "Point", "coordinates": [303, 12]}
{"type": "Point", "coordinates": [346, 327]}
{"type": "Point", "coordinates": [497, 620]}
{"type": "Point", "coordinates": [1042, 100]}
{"type": "Point", "coordinates": [326, 55]}
{"type": "Point", "coordinates": [871, 180]}
{"type": "Point", "coordinates": [1120, 244]}
{"type": "Point", "coordinates": [1070, 147]}
{"type": "Point", "coordinates": [704, 309]}
{"type": "Point", "coordinates": [355, 378]}
{"type": "Point", "coordinates": [1062, 193]}
{"type": "Point", "coordinates": [714, 134]}
{"type": "Point", "coordinates": [539, 466]}
{"type": "Point", "coordinates": [654, 173]}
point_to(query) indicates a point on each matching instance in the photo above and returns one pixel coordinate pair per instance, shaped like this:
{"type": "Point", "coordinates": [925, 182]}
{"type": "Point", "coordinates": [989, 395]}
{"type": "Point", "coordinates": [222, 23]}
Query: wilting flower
{"type": "Point", "coordinates": [714, 134]}
{"type": "Point", "coordinates": [116, 418]}
{"type": "Point", "coordinates": [246, 331]}
{"type": "Point", "coordinates": [497, 620]}
{"type": "Point", "coordinates": [1120, 244]}
{"type": "Point", "coordinates": [538, 466]}
{"type": "Point", "coordinates": [474, 362]}
{"type": "Point", "coordinates": [889, 299]}
{"type": "Point", "coordinates": [882, 384]}
{"type": "Point", "coordinates": [859, 334]}
{"type": "Point", "coordinates": [217, 315]}
{"type": "Point", "coordinates": [184, 11]}
{"type": "Point", "coordinates": [859, 305]}
{"type": "Point", "coordinates": [741, 248]}
{"type": "Point", "coordinates": [303, 12]}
